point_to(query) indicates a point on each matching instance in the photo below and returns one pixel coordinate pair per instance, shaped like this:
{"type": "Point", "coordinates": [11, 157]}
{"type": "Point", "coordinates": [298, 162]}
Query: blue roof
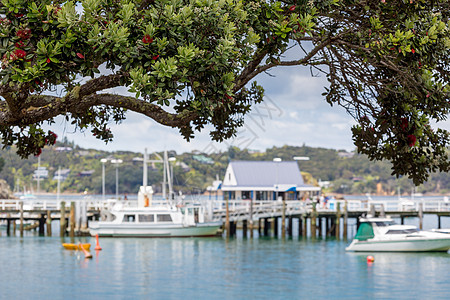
{"type": "Point", "coordinates": [267, 173]}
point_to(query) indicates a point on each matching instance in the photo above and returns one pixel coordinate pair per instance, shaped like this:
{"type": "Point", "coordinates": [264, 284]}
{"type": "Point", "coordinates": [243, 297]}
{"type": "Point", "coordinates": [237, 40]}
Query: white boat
{"type": "Point", "coordinates": [147, 219]}
{"type": "Point", "coordinates": [383, 235]}
{"type": "Point", "coordinates": [154, 221]}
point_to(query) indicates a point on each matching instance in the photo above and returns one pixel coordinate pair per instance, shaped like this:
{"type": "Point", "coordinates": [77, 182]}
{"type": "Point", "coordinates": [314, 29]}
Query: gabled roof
{"type": "Point", "coordinates": [263, 174]}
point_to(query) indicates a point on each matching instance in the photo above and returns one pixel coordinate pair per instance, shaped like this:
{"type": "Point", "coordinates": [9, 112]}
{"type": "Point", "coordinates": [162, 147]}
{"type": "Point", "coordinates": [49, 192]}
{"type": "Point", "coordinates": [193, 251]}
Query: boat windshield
{"type": "Point", "coordinates": [384, 224]}
{"type": "Point", "coordinates": [402, 231]}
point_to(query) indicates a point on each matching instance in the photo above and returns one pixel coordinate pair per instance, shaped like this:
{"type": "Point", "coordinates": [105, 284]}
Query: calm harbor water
{"type": "Point", "coordinates": [36, 267]}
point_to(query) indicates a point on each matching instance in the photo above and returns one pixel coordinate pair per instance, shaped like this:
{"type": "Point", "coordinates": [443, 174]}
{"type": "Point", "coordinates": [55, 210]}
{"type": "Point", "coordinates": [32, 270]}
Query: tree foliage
{"type": "Point", "coordinates": [189, 63]}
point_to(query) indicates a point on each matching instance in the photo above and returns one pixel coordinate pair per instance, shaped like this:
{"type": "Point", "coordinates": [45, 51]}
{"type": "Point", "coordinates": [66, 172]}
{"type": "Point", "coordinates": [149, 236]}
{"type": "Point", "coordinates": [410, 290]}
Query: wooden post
{"type": "Point", "coordinates": [319, 226]}
{"type": "Point", "coordinates": [283, 219]}
{"type": "Point", "coordinates": [372, 210]}
{"type": "Point", "coordinates": [338, 220]}
{"type": "Point", "coordinates": [266, 226]}
{"type": "Point", "coordinates": [300, 226]}
{"type": "Point", "coordinates": [345, 220]}
{"type": "Point", "coordinates": [290, 226]}
{"type": "Point", "coordinates": [313, 221]}
{"type": "Point", "coordinates": [49, 223]}
{"type": "Point", "coordinates": [21, 219]}
{"type": "Point", "coordinates": [272, 226]}
{"type": "Point", "coordinates": [439, 221]}
{"type": "Point", "coordinates": [332, 226]}
{"type": "Point", "coordinates": [62, 220]}
{"type": "Point", "coordinates": [382, 212]}
{"type": "Point", "coordinates": [305, 226]}
{"type": "Point", "coordinates": [8, 224]}
{"type": "Point", "coordinates": [402, 220]}
{"type": "Point", "coordinates": [244, 228]}
{"type": "Point", "coordinates": [250, 225]}
{"type": "Point", "coordinates": [227, 218]}
{"type": "Point", "coordinates": [275, 226]}
{"type": "Point", "coordinates": [421, 216]}
{"type": "Point", "coordinates": [72, 219]}
{"type": "Point", "coordinates": [41, 225]}
{"type": "Point", "coordinates": [259, 227]}
{"type": "Point", "coordinates": [14, 227]}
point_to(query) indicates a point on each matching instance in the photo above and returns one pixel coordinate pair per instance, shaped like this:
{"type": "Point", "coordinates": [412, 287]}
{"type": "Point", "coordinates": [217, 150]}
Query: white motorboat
{"type": "Point", "coordinates": [147, 219]}
{"type": "Point", "coordinates": [154, 221]}
{"type": "Point", "coordinates": [383, 235]}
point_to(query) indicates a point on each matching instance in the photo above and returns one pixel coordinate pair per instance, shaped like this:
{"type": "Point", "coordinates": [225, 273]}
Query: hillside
{"type": "Point", "coordinates": [193, 172]}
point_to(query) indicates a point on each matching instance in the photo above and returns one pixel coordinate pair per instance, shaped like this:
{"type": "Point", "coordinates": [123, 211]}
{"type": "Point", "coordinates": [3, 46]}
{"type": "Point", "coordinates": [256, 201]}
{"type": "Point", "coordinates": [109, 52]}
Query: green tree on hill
{"type": "Point", "coordinates": [190, 63]}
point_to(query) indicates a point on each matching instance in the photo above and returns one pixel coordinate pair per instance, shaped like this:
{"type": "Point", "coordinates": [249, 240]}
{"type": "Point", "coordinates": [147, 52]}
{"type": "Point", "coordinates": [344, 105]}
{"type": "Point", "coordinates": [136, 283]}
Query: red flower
{"type": "Point", "coordinates": [413, 51]}
{"type": "Point", "coordinates": [404, 124]}
{"type": "Point", "coordinates": [48, 60]}
{"type": "Point", "coordinates": [20, 44]}
{"type": "Point", "coordinates": [292, 8]}
{"type": "Point", "coordinates": [19, 53]}
{"type": "Point", "coordinates": [411, 140]}
{"type": "Point", "coordinates": [228, 97]}
{"type": "Point", "coordinates": [24, 34]}
{"type": "Point", "coordinates": [39, 151]}
{"type": "Point", "coordinates": [147, 39]}
{"type": "Point", "coordinates": [155, 57]}
{"type": "Point", "coordinates": [80, 55]}
{"type": "Point", "coordinates": [428, 95]}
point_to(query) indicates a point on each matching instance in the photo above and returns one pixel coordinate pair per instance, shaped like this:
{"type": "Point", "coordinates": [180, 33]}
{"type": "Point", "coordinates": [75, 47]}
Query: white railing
{"type": "Point", "coordinates": [240, 207]}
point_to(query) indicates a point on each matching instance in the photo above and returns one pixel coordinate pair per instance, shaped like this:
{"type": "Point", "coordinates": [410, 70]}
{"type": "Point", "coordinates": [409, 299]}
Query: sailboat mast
{"type": "Point", "coordinates": [164, 176]}
{"type": "Point", "coordinates": [169, 177]}
{"type": "Point", "coordinates": [144, 179]}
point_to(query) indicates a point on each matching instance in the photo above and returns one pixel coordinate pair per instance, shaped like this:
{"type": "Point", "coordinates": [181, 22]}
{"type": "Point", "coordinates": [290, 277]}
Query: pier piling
{"type": "Point", "coordinates": [344, 233]}
{"type": "Point", "coordinates": [72, 219]}
{"type": "Point", "coordinates": [266, 226]}
{"type": "Point", "coordinates": [313, 221]}
{"type": "Point", "coordinates": [62, 220]}
{"type": "Point", "coordinates": [49, 223]}
{"type": "Point", "coordinates": [338, 220]}
{"type": "Point", "coordinates": [21, 219]}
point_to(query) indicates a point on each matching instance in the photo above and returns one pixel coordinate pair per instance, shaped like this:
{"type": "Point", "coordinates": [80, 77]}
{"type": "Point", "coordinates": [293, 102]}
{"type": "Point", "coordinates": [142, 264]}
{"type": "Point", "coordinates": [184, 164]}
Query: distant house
{"type": "Point", "coordinates": [86, 173]}
{"type": "Point", "coordinates": [41, 173]}
{"type": "Point", "coordinates": [203, 159]}
{"type": "Point", "coordinates": [63, 149]}
{"type": "Point", "coordinates": [61, 174]}
{"type": "Point", "coordinates": [265, 180]}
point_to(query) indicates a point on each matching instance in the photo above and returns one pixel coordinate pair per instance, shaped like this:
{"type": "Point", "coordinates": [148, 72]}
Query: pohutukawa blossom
{"type": "Point", "coordinates": [147, 39]}
{"type": "Point", "coordinates": [19, 53]}
{"type": "Point", "coordinates": [411, 140]}
{"type": "Point", "coordinates": [24, 34]}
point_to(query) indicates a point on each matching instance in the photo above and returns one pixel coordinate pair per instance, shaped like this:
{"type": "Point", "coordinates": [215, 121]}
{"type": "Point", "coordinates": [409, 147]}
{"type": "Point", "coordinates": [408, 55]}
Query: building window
{"type": "Point", "coordinates": [146, 218]}
{"type": "Point", "coordinates": [246, 195]}
{"type": "Point", "coordinates": [129, 218]}
{"type": "Point", "coordinates": [164, 218]}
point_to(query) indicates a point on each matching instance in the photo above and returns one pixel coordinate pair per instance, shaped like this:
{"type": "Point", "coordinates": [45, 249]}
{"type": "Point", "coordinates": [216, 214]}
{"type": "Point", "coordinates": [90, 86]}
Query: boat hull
{"type": "Point", "coordinates": [412, 245]}
{"type": "Point", "coordinates": [138, 230]}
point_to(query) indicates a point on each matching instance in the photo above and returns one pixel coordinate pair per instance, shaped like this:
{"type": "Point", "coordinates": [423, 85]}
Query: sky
{"type": "Point", "coordinates": [293, 113]}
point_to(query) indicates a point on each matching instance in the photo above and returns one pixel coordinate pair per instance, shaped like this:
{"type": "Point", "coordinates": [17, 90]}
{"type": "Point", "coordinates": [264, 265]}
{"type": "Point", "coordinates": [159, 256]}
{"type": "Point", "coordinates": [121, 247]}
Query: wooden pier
{"type": "Point", "coordinates": [269, 218]}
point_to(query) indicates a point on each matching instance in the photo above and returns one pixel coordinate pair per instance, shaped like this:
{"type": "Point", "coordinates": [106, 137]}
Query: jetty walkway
{"type": "Point", "coordinates": [313, 218]}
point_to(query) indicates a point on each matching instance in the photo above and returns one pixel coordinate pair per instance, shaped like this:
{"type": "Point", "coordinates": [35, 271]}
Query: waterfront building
{"type": "Point", "coordinates": [266, 180]}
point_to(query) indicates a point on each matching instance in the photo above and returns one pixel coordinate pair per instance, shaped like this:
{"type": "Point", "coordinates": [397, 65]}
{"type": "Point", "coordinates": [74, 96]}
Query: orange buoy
{"type": "Point", "coordinates": [97, 247]}
{"type": "Point", "coordinates": [87, 254]}
{"type": "Point", "coordinates": [370, 259]}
